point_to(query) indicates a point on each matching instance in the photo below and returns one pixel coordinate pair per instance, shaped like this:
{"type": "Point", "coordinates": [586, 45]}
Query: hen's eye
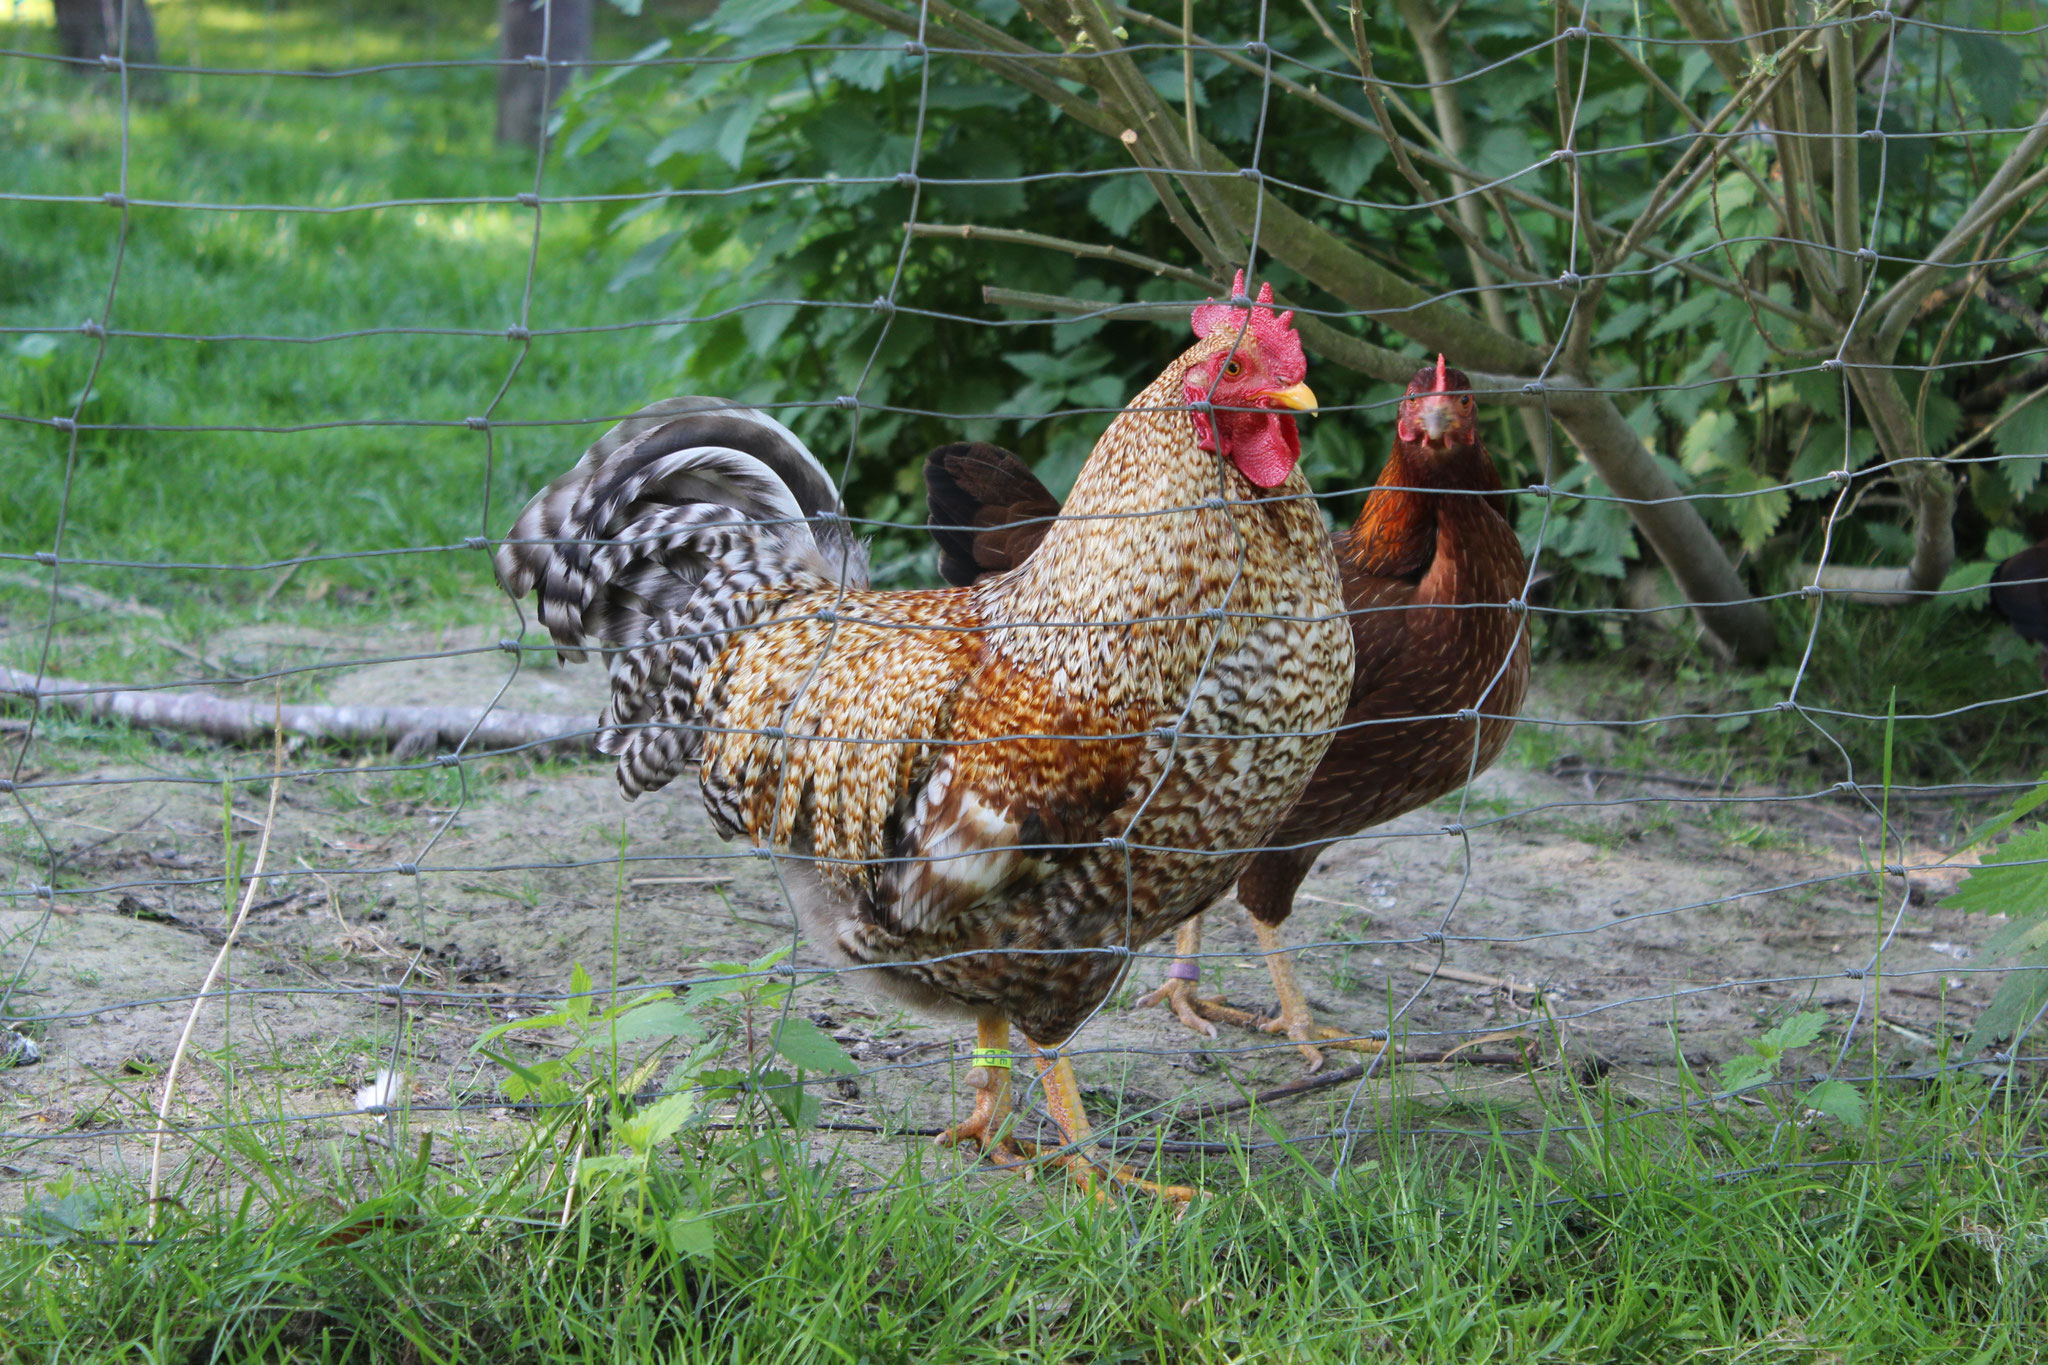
{"type": "Point", "coordinates": [1233, 370]}
{"type": "Point", "coordinates": [1467, 400]}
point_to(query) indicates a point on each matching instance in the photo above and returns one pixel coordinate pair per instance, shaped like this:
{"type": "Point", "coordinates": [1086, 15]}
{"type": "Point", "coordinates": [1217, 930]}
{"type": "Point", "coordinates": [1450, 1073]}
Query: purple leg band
{"type": "Point", "coordinates": [1183, 970]}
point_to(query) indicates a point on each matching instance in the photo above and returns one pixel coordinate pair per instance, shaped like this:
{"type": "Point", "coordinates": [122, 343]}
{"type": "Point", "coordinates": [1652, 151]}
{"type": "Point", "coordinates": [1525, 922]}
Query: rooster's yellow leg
{"type": "Point", "coordinates": [1295, 1020]}
{"type": "Point", "coordinates": [1177, 992]}
{"type": "Point", "coordinates": [987, 1126]}
{"type": "Point", "coordinates": [1063, 1100]}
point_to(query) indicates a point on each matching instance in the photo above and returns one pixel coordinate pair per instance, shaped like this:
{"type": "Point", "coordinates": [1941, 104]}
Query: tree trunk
{"type": "Point", "coordinates": [559, 30]}
{"type": "Point", "coordinates": [90, 29]}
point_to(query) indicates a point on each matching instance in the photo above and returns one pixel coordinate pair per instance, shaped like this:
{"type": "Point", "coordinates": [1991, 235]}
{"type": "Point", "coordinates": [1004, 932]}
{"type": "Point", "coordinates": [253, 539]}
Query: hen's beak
{"type": "Point", "coordinates": [1299, 397]}
{"type": "Point", "coordinates": [1436, 418]}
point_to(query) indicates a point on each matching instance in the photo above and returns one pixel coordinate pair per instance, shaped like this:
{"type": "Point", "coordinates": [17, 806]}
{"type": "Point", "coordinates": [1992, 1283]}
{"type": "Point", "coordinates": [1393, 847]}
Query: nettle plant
{"type": "Point", "coordinates": [716, 1121]}
{"type": "Point", "coordinates": [2012, 882]}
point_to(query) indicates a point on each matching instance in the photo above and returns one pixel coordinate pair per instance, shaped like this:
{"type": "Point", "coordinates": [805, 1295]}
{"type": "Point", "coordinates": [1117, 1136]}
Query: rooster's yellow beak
{"type": "Point", "coordinates": [1299, 397]}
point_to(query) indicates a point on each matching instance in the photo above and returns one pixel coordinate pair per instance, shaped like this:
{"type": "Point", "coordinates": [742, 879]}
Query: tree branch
{"type": "Point", "coordinates": [418, 728]}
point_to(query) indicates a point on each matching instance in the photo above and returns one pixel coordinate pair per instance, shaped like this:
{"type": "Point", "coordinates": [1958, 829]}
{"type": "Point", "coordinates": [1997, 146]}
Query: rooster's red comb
{"type": "Point", "coordinates": [1277, 341]}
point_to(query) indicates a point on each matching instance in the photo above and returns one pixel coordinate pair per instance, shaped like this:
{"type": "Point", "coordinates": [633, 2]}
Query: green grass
{"type": "Point", "coordinates": [1594, 1238]}
{"type": "Point", "coordinates": [213, 496]}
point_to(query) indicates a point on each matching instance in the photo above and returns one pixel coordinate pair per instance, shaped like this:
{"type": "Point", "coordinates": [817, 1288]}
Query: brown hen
{"type": "Point", "coordinates": [1429, 570]}
{"type": "Point", "coordinates": [984, 798]}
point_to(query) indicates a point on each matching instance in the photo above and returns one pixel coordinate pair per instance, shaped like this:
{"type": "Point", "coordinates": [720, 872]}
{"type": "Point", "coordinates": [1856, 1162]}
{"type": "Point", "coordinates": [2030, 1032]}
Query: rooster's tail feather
{"type": "Point", "coordinates": [626, 536]}
{"type": "Point", "coordinates": [657, 544]}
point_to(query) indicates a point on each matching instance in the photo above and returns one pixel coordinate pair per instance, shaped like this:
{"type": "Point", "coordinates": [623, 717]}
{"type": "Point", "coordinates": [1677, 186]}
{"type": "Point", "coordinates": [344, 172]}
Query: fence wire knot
{"type": "Point", "coordinates": [1570, 279]}
{"type": "Point", "coordinates": [477, 423]}
{"type": "Point", "coordinates": [1255, 48]}
{"type": "Point", "coordinates": [1533, 386]}
{"type": "Point", "coordinates": [408, 869]}
{"type": "Point", "coordinates": [913, 48]}
{"type": "Point", "coordinates": [907, 179]}
{"type": "Point", "coordinates": [92, 329]}
{"type": "Point", "coordinates": [518, 333]}
{"type": "Point", "coordinates": [1854, 973]}
{"type": "Point", "coordinates": [528, 199]}
{"type": "Point", "coordinates": [476, 542]}
{"type": "Point", "coordinates": [47, 558]}
{"type": "Point", "coordinates": [509, 645]}
{"type": "Point", "coordinates": [63, 424]}
{"type": "Point", "coordinates": [114, 199]}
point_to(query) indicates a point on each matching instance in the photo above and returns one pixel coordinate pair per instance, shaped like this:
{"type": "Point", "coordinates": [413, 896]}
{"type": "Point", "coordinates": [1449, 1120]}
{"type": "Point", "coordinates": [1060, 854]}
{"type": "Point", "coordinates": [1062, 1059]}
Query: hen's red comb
{"type": "Point", "coordinates": [1275, 334]}
{"type": "Point", "coordinates": [1442, 384]}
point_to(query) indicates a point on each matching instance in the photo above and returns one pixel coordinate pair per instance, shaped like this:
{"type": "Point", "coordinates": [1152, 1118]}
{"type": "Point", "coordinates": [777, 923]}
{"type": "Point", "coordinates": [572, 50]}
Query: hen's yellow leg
{"type": "Point", "coordinates": [1295, 1020]}
{"type": "Point", "coordinates": [1063, 1100]}
{"type": "Point", "coordinates": [987, 1127]}
{"type": "Point", "coordinates": [1177, 992]}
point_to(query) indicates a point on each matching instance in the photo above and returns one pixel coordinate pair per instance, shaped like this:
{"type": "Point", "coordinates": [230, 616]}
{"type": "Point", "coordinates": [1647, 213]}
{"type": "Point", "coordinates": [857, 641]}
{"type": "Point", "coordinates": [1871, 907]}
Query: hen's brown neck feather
{"type": "Point", "coordinates": [1395, 534]}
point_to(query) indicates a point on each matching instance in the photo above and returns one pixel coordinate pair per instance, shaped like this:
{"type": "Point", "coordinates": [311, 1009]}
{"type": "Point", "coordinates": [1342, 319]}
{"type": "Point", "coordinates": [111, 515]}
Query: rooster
{"type": "Point", "coordinates": [983, 797]}
{"type": "Point", "coordinates": [1429, 569]}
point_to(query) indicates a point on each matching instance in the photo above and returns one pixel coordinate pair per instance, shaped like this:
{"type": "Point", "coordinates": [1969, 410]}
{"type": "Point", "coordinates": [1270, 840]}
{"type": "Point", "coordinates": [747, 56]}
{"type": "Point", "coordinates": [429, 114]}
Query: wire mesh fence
{"type": "Point", "coordinates": [451, 853]}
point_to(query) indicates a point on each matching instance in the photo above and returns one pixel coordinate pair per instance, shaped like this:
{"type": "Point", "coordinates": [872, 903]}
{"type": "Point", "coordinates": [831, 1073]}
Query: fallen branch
{"type": "Point", "coordinates": [407, 729]}
{"type": "Point", "coordinates": [220, 959]}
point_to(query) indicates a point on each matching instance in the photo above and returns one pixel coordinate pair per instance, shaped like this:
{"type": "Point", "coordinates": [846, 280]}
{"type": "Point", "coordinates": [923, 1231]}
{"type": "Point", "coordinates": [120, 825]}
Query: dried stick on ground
{"type": "Point", "coordinates": [412, 729]}
{"type": "Point", "coordinates": [220, 959]}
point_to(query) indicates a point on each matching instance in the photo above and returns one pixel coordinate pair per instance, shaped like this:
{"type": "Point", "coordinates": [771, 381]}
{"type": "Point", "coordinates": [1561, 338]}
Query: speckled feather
{"type": "Point", "coordinates": [941, 837]}
{"type": "Point", "coordinates": [1414, 565]}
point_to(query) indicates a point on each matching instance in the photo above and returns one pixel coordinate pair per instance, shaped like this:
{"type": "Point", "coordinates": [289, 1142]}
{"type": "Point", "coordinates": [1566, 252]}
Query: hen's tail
{"type": "Point", "coordinates": [2020, 599]}
{"type": "Point", "coordinates": [988, 510]}
{"type": "Point", "coordinates": [660, 530]}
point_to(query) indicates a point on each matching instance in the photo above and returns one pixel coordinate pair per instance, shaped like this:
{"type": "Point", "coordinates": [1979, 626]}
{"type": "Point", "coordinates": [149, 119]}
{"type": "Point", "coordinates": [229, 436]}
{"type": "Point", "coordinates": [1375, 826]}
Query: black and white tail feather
{"type": "Point", "coordinates": [653, 547]}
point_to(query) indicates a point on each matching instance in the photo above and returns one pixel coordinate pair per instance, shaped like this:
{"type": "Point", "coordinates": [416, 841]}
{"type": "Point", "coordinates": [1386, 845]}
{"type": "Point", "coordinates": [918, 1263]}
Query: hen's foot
{"type": "Point", "coordinates": [1308, 1033]}
{"type": "Point", "coordinates": [1193, 1011]}
{"type": "Point", "coordinates": [1295, 1020]}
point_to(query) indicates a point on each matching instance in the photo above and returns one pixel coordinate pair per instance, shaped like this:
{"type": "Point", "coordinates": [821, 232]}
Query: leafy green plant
{"type": "Point", "coordinates": [1838, 1100]}
{"type": "Point", "coordinates": [672, 1206]}
{"type": "Point", "coordinates": [2016, 886]}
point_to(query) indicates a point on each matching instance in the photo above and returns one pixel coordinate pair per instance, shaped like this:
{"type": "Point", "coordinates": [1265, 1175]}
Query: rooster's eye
{"type": "Point", "coordinates": [1233, 370]}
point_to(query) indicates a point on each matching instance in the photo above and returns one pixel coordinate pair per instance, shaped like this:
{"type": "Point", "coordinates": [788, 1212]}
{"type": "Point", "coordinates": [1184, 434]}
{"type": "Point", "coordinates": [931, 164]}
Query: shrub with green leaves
{"type": "Point", "coordinates": [2012, 881]}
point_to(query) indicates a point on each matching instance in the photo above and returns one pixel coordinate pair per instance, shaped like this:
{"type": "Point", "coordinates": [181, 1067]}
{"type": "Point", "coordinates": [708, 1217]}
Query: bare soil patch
{"type": "Point", "coordinates": [1637, 921]}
